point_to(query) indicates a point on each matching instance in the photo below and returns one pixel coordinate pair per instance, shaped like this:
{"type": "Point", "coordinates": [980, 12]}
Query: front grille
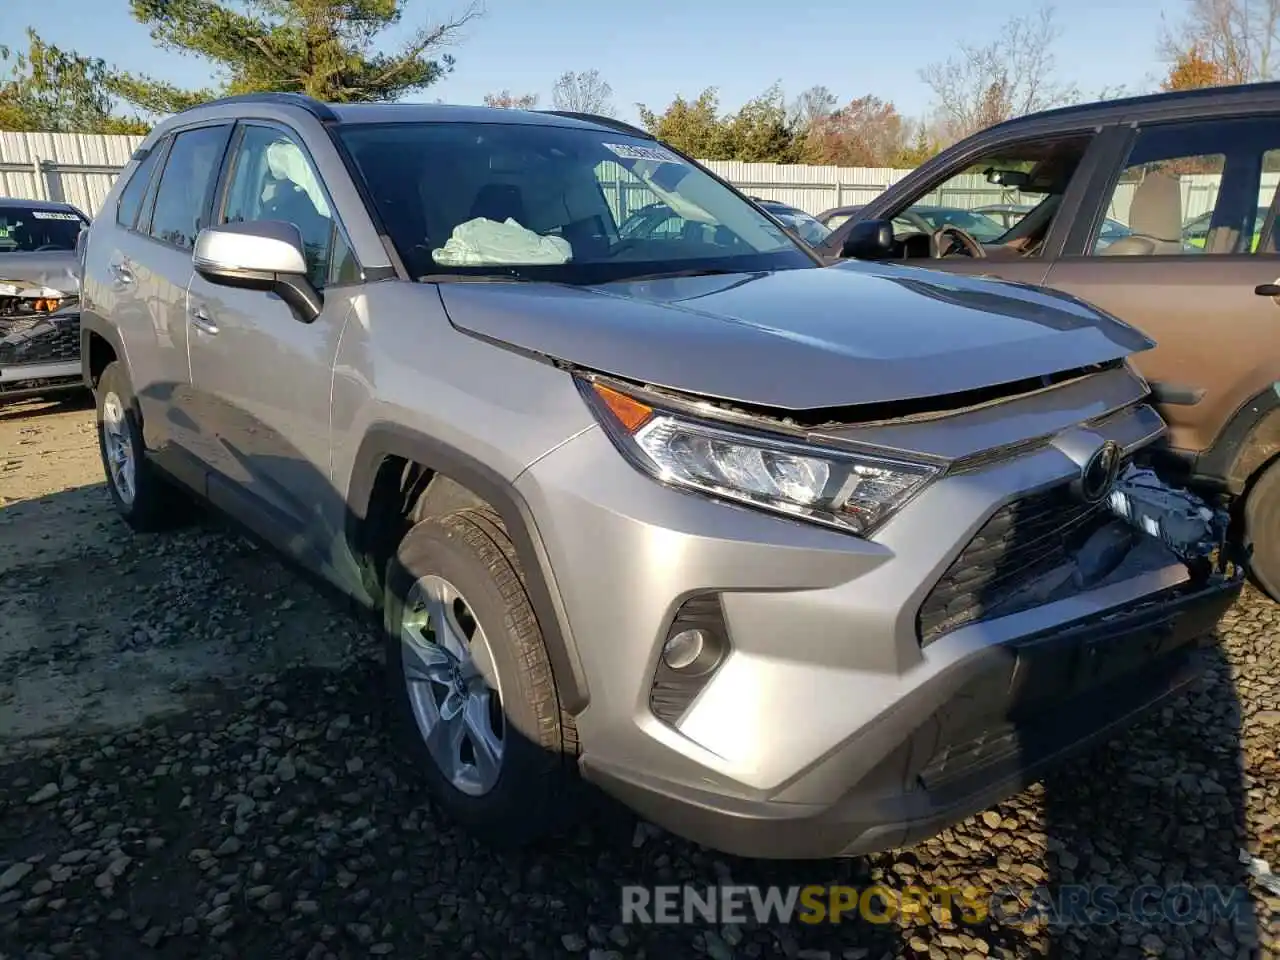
{"type": "Point", "coordinates": [1021, 542]}
{"type": "Point", "coordinates": [47, 339]}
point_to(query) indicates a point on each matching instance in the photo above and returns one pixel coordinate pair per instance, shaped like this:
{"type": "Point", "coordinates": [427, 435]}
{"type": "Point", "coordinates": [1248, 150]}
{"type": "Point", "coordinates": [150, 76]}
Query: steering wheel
{"type": "Point", "coordinates": [948, 237]}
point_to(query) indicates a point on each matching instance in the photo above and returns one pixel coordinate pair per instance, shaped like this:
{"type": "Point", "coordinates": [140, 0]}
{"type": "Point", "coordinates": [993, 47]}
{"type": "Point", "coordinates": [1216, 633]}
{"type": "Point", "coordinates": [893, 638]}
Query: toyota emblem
{"type": "Point", "coordinates": [1098, 475]}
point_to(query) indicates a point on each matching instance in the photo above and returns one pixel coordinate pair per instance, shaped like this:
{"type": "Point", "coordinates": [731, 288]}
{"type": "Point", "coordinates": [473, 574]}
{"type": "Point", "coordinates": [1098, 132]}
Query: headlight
{"type": "Point", "coordinates": [854, 491]}
{"type": "Point", "coordinates": [9, 289]}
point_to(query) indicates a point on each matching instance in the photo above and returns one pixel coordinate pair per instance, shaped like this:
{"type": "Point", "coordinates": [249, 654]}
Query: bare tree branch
{"type": "Point", "coordinates": [507, 100]}
{"type": "Point", "coordinates": [585, 92]}
{"type": "Point", "coordinates": [1013, 75]}
{"type": "Point", "coordinates": [815, 104]}
{"type": "Point", "coordinates": [1236, 38]}
{"type": "Point", "coordinates": [430, 38]}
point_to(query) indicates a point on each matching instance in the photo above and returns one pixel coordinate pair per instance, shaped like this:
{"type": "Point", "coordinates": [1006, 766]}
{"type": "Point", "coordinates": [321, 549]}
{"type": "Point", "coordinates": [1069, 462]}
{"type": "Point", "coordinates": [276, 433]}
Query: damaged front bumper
{"type": "Point", "coordinates": [40, 352]}
{"type": "Point", "coordinates": [876, 690]}
{"type": "Point", "coordinates": [1000, 715]}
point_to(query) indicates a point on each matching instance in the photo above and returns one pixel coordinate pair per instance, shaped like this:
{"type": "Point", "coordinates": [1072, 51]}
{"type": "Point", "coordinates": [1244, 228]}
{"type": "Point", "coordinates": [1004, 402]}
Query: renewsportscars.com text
{"type": "Point", "coordinates": [1067, 905]}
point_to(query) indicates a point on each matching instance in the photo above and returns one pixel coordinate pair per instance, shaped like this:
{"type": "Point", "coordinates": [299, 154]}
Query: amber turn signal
{"type": "Point", "coordinates": [629, 412]}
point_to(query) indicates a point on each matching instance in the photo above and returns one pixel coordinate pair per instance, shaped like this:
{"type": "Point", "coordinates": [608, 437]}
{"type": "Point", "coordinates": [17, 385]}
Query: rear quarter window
{"type": "Point", "coordinates": [136, 188]}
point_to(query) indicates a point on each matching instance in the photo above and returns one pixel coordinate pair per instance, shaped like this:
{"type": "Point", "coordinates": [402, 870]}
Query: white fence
{"type": "Point", "coordinates": [80, 168]}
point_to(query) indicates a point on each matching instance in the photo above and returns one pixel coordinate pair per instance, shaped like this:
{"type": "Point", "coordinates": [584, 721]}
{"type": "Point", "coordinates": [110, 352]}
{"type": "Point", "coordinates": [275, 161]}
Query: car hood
{"type": "Point", "coordinates": [52, 269]}
{"type": "Point", "coordinates": [803, 339]}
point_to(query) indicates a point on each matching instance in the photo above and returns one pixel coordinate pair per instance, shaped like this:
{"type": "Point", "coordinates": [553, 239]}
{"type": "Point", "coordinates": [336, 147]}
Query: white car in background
{"type": "Point", "coordinates": [39, 298]}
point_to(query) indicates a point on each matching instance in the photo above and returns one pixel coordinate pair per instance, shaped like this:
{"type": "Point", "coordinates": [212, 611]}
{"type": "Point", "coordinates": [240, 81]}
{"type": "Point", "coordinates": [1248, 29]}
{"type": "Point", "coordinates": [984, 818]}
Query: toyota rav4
{"type": "Point", "coordinates": [797, 561]}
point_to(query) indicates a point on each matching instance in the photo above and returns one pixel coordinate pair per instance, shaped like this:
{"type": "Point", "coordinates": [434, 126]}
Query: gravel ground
{"type": "Point", "coordinates": [192, 765]}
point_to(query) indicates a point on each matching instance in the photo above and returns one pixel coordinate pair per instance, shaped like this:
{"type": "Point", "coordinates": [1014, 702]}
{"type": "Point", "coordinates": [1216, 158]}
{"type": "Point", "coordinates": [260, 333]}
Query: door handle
{"type": "Point", "coordinates": [203, 322]}
{"type": "Point", "coordinates": [1267, 289]}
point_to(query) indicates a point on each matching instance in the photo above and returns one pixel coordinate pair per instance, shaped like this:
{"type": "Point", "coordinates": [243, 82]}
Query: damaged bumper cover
{"type": "Point", "coordinates": [40, 350]}
{"type": "Point", "coordinates": [1181, 520]}
{"type": "Point", "coordinates": [883, 745]}
{"type": "Point", "coordinates": [39, 323]}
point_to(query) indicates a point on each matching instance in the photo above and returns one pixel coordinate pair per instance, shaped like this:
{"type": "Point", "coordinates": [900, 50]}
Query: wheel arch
{"type": "Point", "coordinates": [396, 468]}
{"type": "Point", "coordinates": [97, 337]}
{"type": "Point", "coordinates": [1247, 443]}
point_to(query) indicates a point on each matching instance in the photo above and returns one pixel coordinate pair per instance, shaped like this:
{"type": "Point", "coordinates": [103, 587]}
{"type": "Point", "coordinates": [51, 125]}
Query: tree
{"type": "Point", "coordinates": [816, 103]}
{"type": "Point", "coordinates": [328, 49]}
{"type": "Point", "coordinates": [585, 92]}
{"type": "Point", "coordinates": [1192, 70]}
{"type": "Point", "coordinates": [866, 132]}
{"type": "Point", "coordinates": [1011, 76]}
{"type": "Point", "coordinates": [692, 126]}
{"type": "Point", "coordinates": [918, 147]}
{"type": "Point", "coordinates": [507, 100]}
{"type": "Point", "coordinates": [760, 132]}
{"type": "Point", "coordinates": [54, 90]}
{"type": "Point", "coordinates": [1223, 42]}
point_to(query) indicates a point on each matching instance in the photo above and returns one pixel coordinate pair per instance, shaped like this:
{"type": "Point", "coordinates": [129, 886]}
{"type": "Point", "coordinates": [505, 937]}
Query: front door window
{"type": "Point", "coordinates": [1031, 176]}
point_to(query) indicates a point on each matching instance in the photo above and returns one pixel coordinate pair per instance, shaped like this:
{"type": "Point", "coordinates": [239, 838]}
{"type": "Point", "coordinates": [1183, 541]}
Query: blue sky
{"type": "Point", "coordinates": [651, 51]}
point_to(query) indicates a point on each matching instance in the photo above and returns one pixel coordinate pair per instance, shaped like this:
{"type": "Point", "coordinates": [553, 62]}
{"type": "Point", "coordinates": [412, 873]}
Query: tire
{"type": "Point", "coordinates": [537, 791]}
{"type": "Point", "coordinates": [149, 503]}
{"type": "Point", "coordinates": [1262, 529]}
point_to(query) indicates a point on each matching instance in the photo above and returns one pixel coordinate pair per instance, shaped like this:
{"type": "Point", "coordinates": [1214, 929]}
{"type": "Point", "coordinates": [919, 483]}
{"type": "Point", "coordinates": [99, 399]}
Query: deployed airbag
{"type": "Point", "coordinates": [483, 242]}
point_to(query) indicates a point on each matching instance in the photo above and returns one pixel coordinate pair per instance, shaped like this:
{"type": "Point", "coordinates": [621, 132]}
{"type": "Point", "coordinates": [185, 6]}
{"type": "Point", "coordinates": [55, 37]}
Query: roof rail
{"type": "Point", "coordinates": [610, 122]}
{"type": "Point", "coordinates": [1147, 99]}
{"type": "Point", "coordinates": [321, 111]}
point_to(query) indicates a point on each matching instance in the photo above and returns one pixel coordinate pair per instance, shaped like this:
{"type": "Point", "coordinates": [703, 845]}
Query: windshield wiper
{"type": "Point", "coordinates": [473, 278]}
{"type": "Point", "coordinates": [672, 274]}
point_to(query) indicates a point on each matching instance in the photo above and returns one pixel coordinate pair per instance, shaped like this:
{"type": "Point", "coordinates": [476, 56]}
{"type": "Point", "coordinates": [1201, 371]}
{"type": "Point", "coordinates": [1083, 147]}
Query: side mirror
{"type": "Point", "coordinates": [262, 255]}
{"type": "Point", "coordinates": [868, 240]}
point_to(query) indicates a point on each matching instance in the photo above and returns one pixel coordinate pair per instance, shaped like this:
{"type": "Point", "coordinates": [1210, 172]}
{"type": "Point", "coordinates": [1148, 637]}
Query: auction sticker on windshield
{"type": "Point", "coordinates": [629, 152]}
{"type": "Point", "coordinates": [45, 215]}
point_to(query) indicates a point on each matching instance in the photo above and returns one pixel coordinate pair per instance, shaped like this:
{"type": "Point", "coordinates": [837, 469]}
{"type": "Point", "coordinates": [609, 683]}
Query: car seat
{"type": "Point", "coordinates": [500, 201]}
{"type": "Point", "coordinates": [1155, 220]}
{"type": "Point", "coordinates": [22, 237]}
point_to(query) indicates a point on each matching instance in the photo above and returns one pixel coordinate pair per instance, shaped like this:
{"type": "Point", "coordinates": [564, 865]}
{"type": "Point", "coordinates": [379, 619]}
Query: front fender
{"type": "Point", "coordinates": [384, 440]}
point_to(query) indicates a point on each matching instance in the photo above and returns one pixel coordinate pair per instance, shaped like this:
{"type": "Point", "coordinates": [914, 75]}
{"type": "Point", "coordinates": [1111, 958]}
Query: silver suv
{"type": "Point", "coordinates": [797, 561]}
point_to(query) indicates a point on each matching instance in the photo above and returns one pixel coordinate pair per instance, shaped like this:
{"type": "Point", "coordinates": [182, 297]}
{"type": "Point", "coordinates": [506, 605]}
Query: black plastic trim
{"type": "Point", "coordinates": [1176, 394]}
{"type": "Point", "coordinates": [387, 439]}
{"type": "Point", "coordinates": [672, 691]}
{"type": "Point", "coordinates": [90, 325]}
{"type": "Point", "coordinates": [1220, 462]}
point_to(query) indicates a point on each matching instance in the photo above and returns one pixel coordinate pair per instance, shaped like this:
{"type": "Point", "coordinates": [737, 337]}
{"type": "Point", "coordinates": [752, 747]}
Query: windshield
{"type": "Point", "coordinates": [810, 230]}
{"type": "Point", "coordinates": [555, 203]}
{"type": "Point", "coordinates": [976, 225]}
{"type": "Point", "coordinates": [27, 230]}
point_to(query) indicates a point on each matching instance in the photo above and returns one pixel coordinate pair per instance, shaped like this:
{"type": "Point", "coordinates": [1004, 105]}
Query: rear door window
{"type": "Point", "coordinates": [186, 186]}
{"type": "Point", "coordinates": [1191, 188]}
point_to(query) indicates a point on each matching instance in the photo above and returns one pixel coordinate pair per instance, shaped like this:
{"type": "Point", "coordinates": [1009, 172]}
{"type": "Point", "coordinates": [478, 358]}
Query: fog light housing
{"type": "Point", "coordinates": [682, 650]}
{"type": "Point", "coordinates": [695, 646]}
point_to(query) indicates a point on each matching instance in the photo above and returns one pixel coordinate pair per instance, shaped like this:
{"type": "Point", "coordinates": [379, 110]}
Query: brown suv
{"type": "Point", "coordinates": [1160, 210]}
